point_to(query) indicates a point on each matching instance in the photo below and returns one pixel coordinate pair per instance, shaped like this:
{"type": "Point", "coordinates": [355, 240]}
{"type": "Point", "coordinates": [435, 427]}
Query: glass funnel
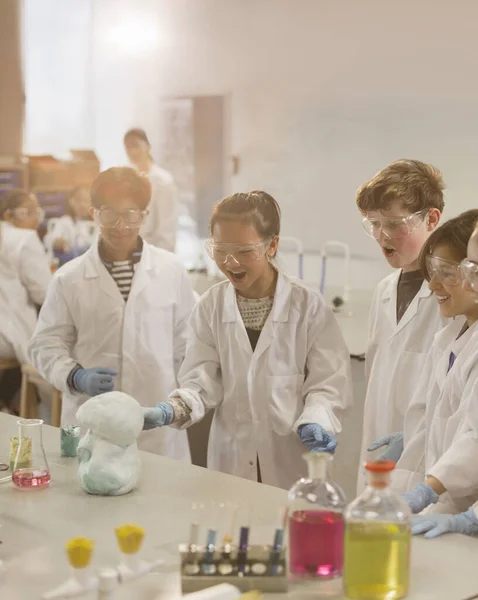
{"type": "Point", "coordinates": [30, 468]}
{"type": "Point", "coordinates": [377, 539]}
{"type": "Point", "coordinates": [315, 523]}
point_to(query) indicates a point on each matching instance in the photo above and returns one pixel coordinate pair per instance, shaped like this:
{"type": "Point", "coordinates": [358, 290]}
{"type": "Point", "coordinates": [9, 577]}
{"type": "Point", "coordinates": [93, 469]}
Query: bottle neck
{"type": "Point", "coordinates": [317, 468]}
{"type": "Point", "coordinates": [379, 481]}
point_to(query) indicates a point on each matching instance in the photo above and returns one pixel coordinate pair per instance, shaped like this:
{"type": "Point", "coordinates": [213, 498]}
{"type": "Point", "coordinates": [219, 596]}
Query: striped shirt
{"type": "Point", "coordinates": [122, 271]}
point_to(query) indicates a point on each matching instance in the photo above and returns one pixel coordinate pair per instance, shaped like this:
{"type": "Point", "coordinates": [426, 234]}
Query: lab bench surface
{"type": "Point", "coordinates": [34, 526]}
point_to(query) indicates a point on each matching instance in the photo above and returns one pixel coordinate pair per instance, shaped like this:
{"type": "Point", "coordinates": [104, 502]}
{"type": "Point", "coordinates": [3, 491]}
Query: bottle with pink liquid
{"type": "Point", "coordinates": [315, 523]}
{"type": "Point", "coordinates": [30, 468]}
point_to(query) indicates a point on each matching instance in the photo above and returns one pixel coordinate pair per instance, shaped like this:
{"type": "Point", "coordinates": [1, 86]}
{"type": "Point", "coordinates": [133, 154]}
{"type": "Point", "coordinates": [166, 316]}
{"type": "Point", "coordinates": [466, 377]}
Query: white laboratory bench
{"type": "Point", "coordinates": [34, 526]}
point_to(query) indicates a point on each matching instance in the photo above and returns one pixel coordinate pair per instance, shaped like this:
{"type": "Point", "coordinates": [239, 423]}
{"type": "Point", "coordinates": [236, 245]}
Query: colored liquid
{"type": "Point", "coordinates": [376, 562]}
{"type": "Point", "coordinates": [316, 544]}
{"type": "Point", "coordinates": [31, 478]}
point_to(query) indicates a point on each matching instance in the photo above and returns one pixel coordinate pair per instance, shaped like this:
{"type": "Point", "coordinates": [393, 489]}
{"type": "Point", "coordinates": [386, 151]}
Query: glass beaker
{"type": "Point", "coordinates": [315, 523]}
{"type": "Point", "coordinates": [30, 469]}
{"type": "Point", "coordinates": [377, 539]}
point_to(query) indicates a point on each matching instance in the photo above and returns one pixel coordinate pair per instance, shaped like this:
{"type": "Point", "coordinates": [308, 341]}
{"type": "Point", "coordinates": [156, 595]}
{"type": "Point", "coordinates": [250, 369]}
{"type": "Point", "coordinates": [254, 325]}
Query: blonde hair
{"type": "Point", "coordinates": [416, 185]}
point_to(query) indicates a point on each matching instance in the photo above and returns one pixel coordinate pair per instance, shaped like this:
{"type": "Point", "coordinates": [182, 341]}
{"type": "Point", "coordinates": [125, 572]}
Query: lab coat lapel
{"type": "Point", "coordinates": [412, 310]}
{"type": "Point", "coordinates": [279, 314]}
{"type": "Point", "coordinates": [232, 315]}
{"type": "Point", "coordinates": [390, 300]}
{"type": "Point", "coordinates": [95, 268]}
{"type": "Point", "coordinates": [141, 274]}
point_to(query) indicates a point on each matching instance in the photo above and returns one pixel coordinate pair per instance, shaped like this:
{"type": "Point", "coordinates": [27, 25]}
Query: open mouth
{"type": "Point", "coordinates": [388, 251]}
{"type": "Point", "coordinates": [442, 299]}
{"type": "Point", "coordinates": [236, 276]}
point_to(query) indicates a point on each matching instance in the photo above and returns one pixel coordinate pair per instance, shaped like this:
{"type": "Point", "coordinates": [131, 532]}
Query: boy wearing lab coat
{"type": "Point", "coordinates": [116, 317]}
{"type": "Point", "coordinates": [401, 206]}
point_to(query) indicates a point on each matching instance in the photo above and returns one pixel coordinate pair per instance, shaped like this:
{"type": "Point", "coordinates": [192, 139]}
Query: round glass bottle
{"type": "Point", "coordinates": [315, 523]}
{"type": "Point", "coordinates": [377, 539]}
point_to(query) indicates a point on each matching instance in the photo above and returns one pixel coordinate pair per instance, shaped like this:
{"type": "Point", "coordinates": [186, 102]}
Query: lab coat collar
{"type": "Point", "coordinates": [391, 289]}
{"type": "Point", "coordinates": [280, 308]}
{"type": "Point", "coordinates": [390, 296]}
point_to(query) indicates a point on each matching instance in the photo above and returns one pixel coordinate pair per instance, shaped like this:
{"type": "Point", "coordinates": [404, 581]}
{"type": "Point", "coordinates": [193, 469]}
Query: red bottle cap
{"type": "Point", "coordinates": [380, 466]}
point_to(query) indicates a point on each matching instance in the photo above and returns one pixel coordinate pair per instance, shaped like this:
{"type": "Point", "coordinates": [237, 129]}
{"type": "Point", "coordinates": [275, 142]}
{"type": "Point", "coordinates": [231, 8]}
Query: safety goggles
{"type": "Point", "coordinates": [23, 213]}
{"type": "Point", "coordinates": [242, 254]}
{"type": "Point", "coordinates": [469, 271]}
{"type": "Point", "coordinates": [393, 227]}
{"type": "Point", "coordinates": [132, 218]}
{"type": "Point", "coordinates": [443, 271]}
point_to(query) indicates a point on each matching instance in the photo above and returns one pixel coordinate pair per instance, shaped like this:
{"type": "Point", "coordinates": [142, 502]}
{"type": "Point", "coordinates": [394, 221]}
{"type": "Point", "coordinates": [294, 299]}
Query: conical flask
{"type": "Point", "coordinates": [315, 523]}
{"type": "Point", "coordinates": [30, 469]}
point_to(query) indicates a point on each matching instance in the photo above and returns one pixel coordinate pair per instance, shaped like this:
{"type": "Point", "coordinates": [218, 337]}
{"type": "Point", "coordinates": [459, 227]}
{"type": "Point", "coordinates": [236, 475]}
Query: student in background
{"type": "Point", "coordinates": [264, 350]}
{"type": "Point", "coordinates": [161, 225]}
{"type": "Point", "coordinates": [20, 218]}
{"type": "Point", "coordinates": [401, 206]}
{"type": "Point", "coordinates": [116, 317]}
{"type": "Point", "coordinates": [74, 232]}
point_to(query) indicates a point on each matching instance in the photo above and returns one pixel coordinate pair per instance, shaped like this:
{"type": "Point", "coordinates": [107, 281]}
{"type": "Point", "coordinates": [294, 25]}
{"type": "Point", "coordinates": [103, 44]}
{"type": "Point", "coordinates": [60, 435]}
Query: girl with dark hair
{"type": "Point", "coordinates": [264, 350]}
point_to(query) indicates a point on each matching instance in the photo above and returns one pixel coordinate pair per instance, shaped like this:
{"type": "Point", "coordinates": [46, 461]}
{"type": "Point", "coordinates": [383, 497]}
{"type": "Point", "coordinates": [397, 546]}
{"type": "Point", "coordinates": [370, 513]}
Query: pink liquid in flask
{"type": "Point", "coordinates": [316, 544]}
{"type": "Point", "coordinates": [31, 478]}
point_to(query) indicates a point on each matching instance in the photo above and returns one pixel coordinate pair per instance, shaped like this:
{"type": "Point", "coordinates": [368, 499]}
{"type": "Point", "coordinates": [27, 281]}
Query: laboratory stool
{"type": "Point", "coordinates": [31, 381]}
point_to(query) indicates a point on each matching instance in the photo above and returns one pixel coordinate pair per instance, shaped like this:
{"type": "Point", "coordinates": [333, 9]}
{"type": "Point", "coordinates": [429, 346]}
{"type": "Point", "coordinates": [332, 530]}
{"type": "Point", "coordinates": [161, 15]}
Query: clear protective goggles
{"type": "Point", "coordinates": [444, 271]}
{"type": "Point", "coordinates": [393, 227]}
{"type": "Point", "coordinates": [242, 254]}
{"type": "Point", "coordinates": [131, 218]}
{"type": "Point", "coordinates": [469, 272]}
{"type": "Point", "coordinates": [23, 213]}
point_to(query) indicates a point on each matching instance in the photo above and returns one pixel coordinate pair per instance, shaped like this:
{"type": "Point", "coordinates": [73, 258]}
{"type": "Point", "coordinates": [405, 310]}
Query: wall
{"type": "Point", "coordinates": [323, 92]}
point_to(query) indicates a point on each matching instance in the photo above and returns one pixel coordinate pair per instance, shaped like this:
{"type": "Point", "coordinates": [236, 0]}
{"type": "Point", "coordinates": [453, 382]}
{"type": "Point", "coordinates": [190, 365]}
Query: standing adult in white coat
{"type": "Point", "coordinates": [116, 317]}
{"type": "Point", "coordinates": [401, 206]}
{"type": "Point", "coordinates": [161, 225]}
{"type": "Point", "coordinates": [447, 439]}
{"type": "Point", "coordinates": [20, 217]}
{"type": "Point", "coordinates": [264, 350]}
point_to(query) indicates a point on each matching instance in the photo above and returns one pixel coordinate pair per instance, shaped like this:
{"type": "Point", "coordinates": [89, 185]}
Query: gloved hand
{"type": "Point", "coordinates": [420, 497]}
{"type": "Point", "coordinates": [434, 525]}
{"type": "Point", "coordinates": [97, 380]}
{"type": "Point", "coordinates": [315, 438]}
{"type": "Point", "coordinates": [160, 415]}
{"type": "Point", "coordinates": [394, 449]}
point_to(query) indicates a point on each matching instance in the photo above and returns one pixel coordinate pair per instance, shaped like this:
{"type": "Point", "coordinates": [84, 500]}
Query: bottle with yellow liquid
{"type": "Point", "coordinates": [377, 540]}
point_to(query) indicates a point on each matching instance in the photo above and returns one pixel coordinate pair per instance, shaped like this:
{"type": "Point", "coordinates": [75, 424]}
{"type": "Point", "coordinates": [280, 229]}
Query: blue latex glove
{"type": "Point", "coordinates": [315, 438]}
{"type": "Point", "coordinates": [97, 380]}
{"type": "Point", "coordinates": [160, 415]}
{"type": "Point", "coordinates": [420, 497]}
{"type": "Point", "coordinates": [434, 525]}
{"type": "Point", "coordinates": [394, 449]}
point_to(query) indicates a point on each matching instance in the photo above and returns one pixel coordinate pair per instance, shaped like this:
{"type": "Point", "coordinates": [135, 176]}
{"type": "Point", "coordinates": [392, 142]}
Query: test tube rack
{"type": "Point", "coordinates": [257, 573]}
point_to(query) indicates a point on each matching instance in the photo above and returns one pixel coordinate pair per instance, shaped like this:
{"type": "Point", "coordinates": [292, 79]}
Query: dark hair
{"type": "Point", "coordinates": [256, 207]}
{"type": "Point", "coordinates": [121, 182]}
{"type": "Point", "coordinates": [12, 199]}
{"type": "Point", "coordinates": [68, 208]}
{"type": "Point", "coordinates": [138, 133]}
{"type": "Point", "coordinates": [454, 234]}
{"type": "Point", "coordinates": [416, 185]}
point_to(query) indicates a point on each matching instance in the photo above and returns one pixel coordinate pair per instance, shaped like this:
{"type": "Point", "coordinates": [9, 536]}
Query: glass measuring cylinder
{"type": "Point", "coordinates": [30, 468]}
{"type": "Point", "coordinates": [377, 540]}
{"type": "Point", "coordinates": [315, 523]}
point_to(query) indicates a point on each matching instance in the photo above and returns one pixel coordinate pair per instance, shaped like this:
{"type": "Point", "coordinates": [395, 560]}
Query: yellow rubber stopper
{"type": "Point", "coordinates": [130, 538]}
{"type": "Point", "coordinates": [79, 551]}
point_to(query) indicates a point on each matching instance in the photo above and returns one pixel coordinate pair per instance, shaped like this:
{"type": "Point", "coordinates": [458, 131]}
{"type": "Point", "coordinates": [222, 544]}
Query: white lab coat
{"type": "Point", "coordinates": [161, 225]}
{"type": "Point", "coordinates": [394, 362]}
{"type": "Point", "coordinates": [78, 234]}
{"type": "Point", "coordinates": [27, 254]}
{"type": "Point", "coordinates": [445, 445]}
{"type": "Point", "coordinates": [85, 321]}
{"type": "Point", "coordinates": [299, 373]}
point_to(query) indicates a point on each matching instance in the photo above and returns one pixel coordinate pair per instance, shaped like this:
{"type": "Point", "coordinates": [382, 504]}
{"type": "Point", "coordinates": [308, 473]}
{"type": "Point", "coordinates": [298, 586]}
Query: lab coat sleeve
{"type": "Point", "coordinates": [161, 224]}
{"type": "Point", "coordinates": [327, 386]}
{"type": "Point", "coordinates": [35, 273]}
{"type": "Point", "coordinates": [200, 376]}
{"type": "Point", "coordinates": [50, 348]}
{"type": "Point", "coordinates": [372, 329]}
{"type": "Point", "coordinates": [457, 468]}
{"type": "Point", "coordinates": [185, 306]}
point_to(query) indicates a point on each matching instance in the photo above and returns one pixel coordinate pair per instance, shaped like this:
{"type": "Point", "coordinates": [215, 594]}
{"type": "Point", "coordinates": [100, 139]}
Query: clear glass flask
{"type": "Point", "coordinates": [315, 523]}
{"type": "Point", "coordinates": [377, 540]}
{"type": "Point", "coordinates": [30, 469]}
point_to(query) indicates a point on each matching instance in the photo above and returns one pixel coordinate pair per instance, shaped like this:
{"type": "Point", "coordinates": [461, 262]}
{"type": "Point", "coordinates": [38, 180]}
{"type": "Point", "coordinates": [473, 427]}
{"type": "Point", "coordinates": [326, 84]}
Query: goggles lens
{"type": "Point", "coordinates": [393, 227]}
{"type": "Point", "coordinates": [241, 253]}
{"type": "Point", "coordinates": [443, 271]}
{"type": "Point", "coordinates": [107, 217]}
{"type": "Point", "coordinates": [469, 271]}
